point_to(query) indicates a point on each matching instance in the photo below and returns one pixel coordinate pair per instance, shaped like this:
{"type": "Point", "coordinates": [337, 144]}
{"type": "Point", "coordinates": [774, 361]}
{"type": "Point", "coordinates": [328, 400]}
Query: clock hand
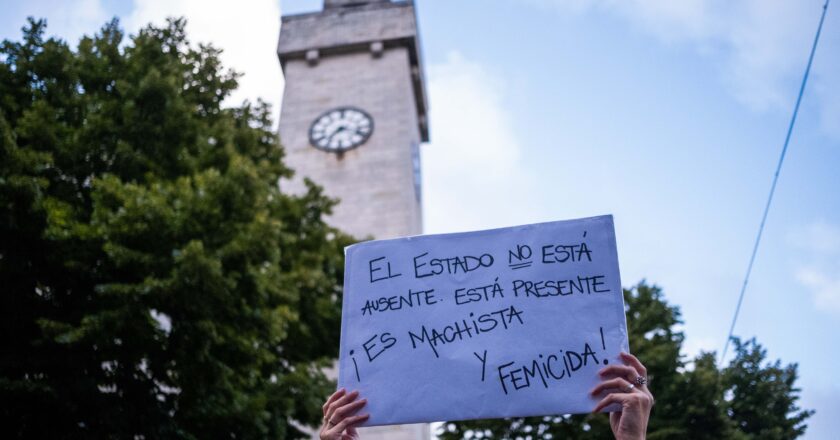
{"type": "Point", "coordinates": [337, 131]}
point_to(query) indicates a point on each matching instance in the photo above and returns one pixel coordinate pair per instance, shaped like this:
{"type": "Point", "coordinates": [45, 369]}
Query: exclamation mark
{"type": "Point", "coordinates": [603, 344]}
{"type": "Point", "coordinates": [357, 366]}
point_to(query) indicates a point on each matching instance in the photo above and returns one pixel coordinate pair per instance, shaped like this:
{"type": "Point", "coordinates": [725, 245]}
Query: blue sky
{"type": "Point", "coordinates": [668, 115]}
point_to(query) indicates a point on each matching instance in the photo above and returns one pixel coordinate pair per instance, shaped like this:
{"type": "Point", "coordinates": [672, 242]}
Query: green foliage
{"type": "Point", "coordinates": [155, 281]}
{"type": "Point", "coordinates": [761, 396]}
{"type": "Point", "coordinates": [749, 399]}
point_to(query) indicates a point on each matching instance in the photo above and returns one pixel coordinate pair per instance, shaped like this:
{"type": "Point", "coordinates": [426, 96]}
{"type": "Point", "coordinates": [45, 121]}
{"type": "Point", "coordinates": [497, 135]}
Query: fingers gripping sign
{"type": "Point", "coordinates": [626, 386]}
{"type": "Point", "coordinates": [340, 418]}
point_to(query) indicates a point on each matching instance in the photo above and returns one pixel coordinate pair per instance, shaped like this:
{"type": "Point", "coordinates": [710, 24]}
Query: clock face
{"type": "Point", "coordinates": [341, 129]}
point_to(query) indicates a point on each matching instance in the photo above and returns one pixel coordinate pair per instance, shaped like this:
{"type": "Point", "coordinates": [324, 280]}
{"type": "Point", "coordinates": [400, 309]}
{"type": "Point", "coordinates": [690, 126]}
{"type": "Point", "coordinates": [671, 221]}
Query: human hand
{"type": "Point", "coordinates": [339, 423]}
{"type": "Point", "coordinates": [626, 385]}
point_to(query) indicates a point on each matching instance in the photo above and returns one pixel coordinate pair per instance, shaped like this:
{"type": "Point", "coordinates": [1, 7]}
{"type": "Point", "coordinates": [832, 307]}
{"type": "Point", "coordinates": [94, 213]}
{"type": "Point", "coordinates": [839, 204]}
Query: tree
{"type": "Point", "coordinates": [749, 399]}
{"type": "Point", "coordinates": [156, 283]}
{"type": "Point", "coordinates": [762, 397]}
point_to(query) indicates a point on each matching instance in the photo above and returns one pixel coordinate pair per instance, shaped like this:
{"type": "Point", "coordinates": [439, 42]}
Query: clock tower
{"type": "Point", "coordinates": [354, 112]}
{"type": "Point", "coordinates": [353, 116]}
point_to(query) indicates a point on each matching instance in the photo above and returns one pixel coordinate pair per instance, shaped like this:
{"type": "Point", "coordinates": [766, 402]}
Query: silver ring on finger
{"type": "Point", "coordinates": [641, 380]}
{"type": "Point", "coordinates": [629, 388]}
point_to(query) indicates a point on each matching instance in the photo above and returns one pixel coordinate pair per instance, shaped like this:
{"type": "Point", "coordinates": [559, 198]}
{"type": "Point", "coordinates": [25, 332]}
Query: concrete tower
{"type": "Point", "coordinates": [354, 111]}
{"type": "Point", "coordinates": [353, 117]}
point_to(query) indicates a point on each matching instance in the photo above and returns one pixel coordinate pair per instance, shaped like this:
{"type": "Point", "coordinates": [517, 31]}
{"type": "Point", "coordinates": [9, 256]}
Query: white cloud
{"type": "Point", "coordinates": [472, 168]}
{"type": "Point", "coordinates": [87, 14]}
{"type": "Point", "coordinates": [827, 88]}
{"type": "Point", "coordinates": [825, 285]}
{"type": "Point", "coordinates": [693, 346]}
{"type": "Point", "coordinates": [822, 276]}
{"type": "Point", "coordinates": [67, 19]}
{"type": "Point", "coordinates": [819, 236]}
{"type": "Point", "coordinates": [761, 45]}
{"type": "Point", "coordinates": [246, 31]}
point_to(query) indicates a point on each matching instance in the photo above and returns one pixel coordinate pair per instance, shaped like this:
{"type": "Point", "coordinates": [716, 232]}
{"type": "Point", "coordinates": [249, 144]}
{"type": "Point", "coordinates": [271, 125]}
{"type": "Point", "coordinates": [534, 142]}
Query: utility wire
{"type": "Point", "coordinates": [775, 180]}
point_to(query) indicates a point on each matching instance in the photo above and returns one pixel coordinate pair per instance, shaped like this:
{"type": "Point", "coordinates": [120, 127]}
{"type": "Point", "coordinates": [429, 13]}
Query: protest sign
{"type": "Point", "coordinates": [499, 323]}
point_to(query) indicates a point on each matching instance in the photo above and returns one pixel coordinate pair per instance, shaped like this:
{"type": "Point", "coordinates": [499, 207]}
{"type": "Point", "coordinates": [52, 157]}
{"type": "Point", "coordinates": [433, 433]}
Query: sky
{"type": "Point", "coordinates": [668, 115]}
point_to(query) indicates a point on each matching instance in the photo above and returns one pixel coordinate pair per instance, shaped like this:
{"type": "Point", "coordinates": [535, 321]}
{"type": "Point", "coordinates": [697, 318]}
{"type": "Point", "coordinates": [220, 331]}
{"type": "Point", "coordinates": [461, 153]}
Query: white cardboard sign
{"type": "Point", "coordinates": [498, 323]}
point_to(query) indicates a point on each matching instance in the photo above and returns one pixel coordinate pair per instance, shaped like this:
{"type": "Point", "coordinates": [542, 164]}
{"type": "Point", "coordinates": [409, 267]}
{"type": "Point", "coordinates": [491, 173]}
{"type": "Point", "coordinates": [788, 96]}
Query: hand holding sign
{"type": "Point", "coordinates": [625, 386]}
{"type": "Point", "coordinates": [499, 323]}
{"type": "Point", "coordinates": [340, 416]}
